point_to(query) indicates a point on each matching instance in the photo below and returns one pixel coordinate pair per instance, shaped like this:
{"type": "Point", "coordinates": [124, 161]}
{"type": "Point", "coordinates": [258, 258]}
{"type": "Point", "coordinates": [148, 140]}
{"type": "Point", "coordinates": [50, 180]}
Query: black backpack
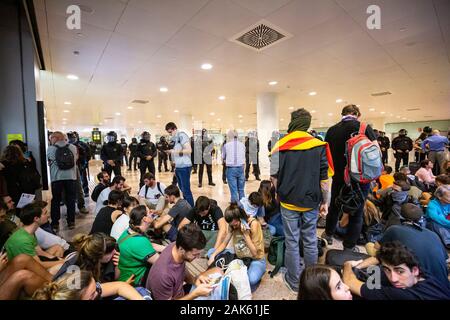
{"type": "Point", "coordinates": [29, 180]}
{"type": "Point", "coordinates": [64, 158]}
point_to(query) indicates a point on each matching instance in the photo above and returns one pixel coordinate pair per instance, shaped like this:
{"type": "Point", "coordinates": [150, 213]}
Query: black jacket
{"type": "Point", "coordinates": [133, 148]}
{"type": "Point", "coordinates": [146, 148]}
{"type": "Point", "coordinates": [403, 143]}
{"type": "Point", "coordinates": [111, 151]}
{"type": "Point", "coordinates": [384, 142]}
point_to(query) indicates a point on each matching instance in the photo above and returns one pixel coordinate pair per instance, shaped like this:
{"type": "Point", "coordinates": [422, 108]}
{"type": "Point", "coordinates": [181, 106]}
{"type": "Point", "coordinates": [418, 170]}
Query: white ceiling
{"type": "Point", "coordinates": [130, 48]}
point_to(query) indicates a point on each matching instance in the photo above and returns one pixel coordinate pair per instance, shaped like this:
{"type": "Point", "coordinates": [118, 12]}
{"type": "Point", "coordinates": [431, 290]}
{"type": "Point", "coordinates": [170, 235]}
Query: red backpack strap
{"type": "Point", "coordinates": [362, 128]}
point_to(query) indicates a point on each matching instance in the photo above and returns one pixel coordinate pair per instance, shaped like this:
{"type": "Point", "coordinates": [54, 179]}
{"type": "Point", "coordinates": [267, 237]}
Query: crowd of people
{"type": "Point", "coordinates": [140, 245]}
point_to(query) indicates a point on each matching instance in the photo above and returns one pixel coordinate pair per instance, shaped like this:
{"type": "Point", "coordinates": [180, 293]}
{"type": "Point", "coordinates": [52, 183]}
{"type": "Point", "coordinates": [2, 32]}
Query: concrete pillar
{"type": "Point", "coordinates": [267, 121]}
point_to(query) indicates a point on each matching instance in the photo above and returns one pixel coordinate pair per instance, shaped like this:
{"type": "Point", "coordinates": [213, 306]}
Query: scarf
{"type": "Point", "coordinates": [299, 124]}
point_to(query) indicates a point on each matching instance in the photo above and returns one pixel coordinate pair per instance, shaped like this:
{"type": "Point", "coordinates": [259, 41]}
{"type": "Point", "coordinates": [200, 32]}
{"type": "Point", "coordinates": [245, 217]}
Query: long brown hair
{"type": "Point", "coordinates": [265, 189]}
{"type": "Point", "coordinates": [63, 288]}
{"type": "Point", "coordinates": [13, 154]}
{"type": "Point", "coordinates": [371, 213]}
{"type": "Point", "coordinates": [315, 283]}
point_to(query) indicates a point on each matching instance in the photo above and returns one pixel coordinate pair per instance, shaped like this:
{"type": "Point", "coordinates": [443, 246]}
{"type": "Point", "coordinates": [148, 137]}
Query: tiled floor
{"type": "Point", "coordinates": [270, 288]}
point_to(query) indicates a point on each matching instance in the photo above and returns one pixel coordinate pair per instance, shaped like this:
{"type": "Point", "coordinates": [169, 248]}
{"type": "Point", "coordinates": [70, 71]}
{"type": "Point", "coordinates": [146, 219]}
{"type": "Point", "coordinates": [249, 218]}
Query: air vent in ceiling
{"type": "Point", "coordinates": [140, 101]}
{"type": "Point", "coordinates": [413, 109]}
{"type": "Point", "coordinates": [380, 94]}
{"type": "Point", "coordinates": [260, 36]}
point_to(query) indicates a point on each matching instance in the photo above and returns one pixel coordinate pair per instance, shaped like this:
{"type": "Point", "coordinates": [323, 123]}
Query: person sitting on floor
{"type": "Point", "coordinates": [425, 244]}
{"type": "Point", "coordinates": [123, 221]}
{"type": "Point", "coordinates": [169, 222]}
{"type": "Point", "coordinates": [406, 279]}
{"type": "Point", "coordinates": [209, 217]}
{"type": "Point", "coordinates": [168, 274]}
{"type": "Point", "coordinates": [272, 214]}
{"type": "Point", "coordinates": [414, 191]}
{"type": "Point", "coordinates": [386, 180]}
{"type": "Point", "coordinates": [24, 239]}
{"type": "Point", "coordinates": [319, 282]}
{"type": "Point", "coordinates": [253, 207]}
{"type": "Point", "coordinates": [137, 252]}
{"type": "Point", "coordinates": [88, 289]}
{"type": "Point", "coordinates": [106, 217]}
{"type": "Point", "coordinates": [103, 183]}
{"type": "Point", "coordinates": [152, 193]}
{"type": "Point", "coordinates": [438, 214]}
{"type": "Point", "coordinates": [412, 179]}
{"type": "Point", "coordinates": [248, 242]}
{"type": "Point", "coordinates": [117, 184]}
{"type": "Point", "coordinates": [425, 174]}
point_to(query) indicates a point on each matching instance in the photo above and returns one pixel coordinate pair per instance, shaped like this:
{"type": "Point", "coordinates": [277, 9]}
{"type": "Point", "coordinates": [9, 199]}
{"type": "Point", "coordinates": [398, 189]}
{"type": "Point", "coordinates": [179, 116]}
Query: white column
{"type": "Point", "coordinates": [185, 123]}
{"type": "Point", "coordinates": [267, 122]}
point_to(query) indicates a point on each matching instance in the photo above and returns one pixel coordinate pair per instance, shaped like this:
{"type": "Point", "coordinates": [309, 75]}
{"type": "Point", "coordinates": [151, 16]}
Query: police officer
{"type": "Point", "coordinates": [402, 145]}
{"type": "Point", "coordinates": [162, 147]}
{"type": "Point", "coordinates": [252, 155]}
{"type": "Point", "coordinates": [384, 144]}
{"type": "Point", "coordinates": [112, 154]}
{"type": "Point", "coordinates": [147, 152]}
{"type": "Point", "coordinates": [194, 151]}
{"type": "Point", "coordinates": [133, 153]}
{"type": "Point", "coordinates": [206, 158]}
{"type": "Point", "coordinates": [124, 146]}
{"type": "Point", "coordinates": [224, 165]}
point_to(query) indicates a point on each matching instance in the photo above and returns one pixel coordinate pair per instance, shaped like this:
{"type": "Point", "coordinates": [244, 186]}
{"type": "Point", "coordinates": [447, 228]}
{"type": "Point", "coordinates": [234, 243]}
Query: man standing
{"type": "Point", "coordinates": [162, 147]}
{"type": "Point", "coordinates": [337, 137]}
{"type": "Point", "coordinates": [436, 145]}
{"type": "Point", "coordinates": [233, 153]}
{"type": "Point", "coordinates": [402, 145]}
{"type": "Point", "coordinates": [181, 156]}
{"type": "Point", "coordinates": [82, 164]}
{"type": "Point", "coordinates": [133, 154]}
{"type": "Point", "coordinates": [385, 144]}
{"type": "Point", "coordinates": [62, 159]}
{"type": "Point", "coordinates": [206, 159]}
{"type": "Point", "coordinates": [300, 169]}
{"type": "Point", "coordinates": [146, 152]}
{"type": "Point", "coordinates": [112, 154]}
{"type": "Point", "coordinates": [251, 155]}
{"type": "Point", "coordinates": [124, 146]}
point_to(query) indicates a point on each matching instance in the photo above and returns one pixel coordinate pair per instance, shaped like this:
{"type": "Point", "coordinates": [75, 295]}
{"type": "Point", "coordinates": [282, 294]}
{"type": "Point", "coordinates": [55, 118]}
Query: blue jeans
{"type": "Point", "coordinates": [255, 271]}
{"type": "Point", "coordinates": [184, 181]}
{"type": "Point", "coordinates": [276, 223]}
{"type": "Point", "coordinates": [299, 226]}
{"type": "Point", "coordinates": [236, 183]}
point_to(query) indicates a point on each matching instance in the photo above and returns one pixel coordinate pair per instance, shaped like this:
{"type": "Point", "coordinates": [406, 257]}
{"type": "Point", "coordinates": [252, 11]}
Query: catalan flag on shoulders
{"type": "Point", "coordinates": [300, 140]}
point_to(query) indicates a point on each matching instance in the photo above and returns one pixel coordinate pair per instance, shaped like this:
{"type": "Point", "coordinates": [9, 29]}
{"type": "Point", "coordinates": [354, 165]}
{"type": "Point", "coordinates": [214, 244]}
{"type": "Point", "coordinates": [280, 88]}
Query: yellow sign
{"type": "Point", "coordinates": [14, 136]}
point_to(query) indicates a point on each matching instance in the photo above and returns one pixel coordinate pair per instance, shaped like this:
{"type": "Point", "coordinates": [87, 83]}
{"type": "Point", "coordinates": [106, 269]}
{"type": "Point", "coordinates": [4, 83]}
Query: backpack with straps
{"type": "Point", "coordinates": [29, 180]}
{"type": "Point", "coordinates": [64, 158]}
{"type": "Point", "coordinates": [158, 185]}
{"type": "Point", "coordinates": [364, 160]}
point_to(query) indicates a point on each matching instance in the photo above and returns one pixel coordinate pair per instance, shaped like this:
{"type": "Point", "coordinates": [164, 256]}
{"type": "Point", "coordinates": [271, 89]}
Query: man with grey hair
{"type": "Point", "coordinates": [62, 158]}
{"type": "Point", "coordinates": [233, 154]}
{"type": "Point", "coordinates": [300, 169]}
{"type": "Point", "coordinates": [436, 145]}
{"type": "Point", "coordinates": [438, 214]}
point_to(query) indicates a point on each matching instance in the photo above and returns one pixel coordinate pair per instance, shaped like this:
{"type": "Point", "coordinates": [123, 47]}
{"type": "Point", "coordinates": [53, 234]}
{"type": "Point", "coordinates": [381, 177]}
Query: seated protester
{"type": "Point", "coordinates": [88, 289]}
{"type": "Point", "coordinates": [438, 214]}
{"type": "Point", "coordinates": [425, 244]}
{"type": "Point", "coordinates": [253, 207]}
{"type": "Point", "coordinates": [103, 183]}
{"type": "Point", "coordinates": [123, 221]}
{"type": "Point", "coordinates": [23, 241]}
{"type": "Point", "coordinates": [137, 253]}
{"type": "Point", "coordinates": [390, 204]}
{"type": "Point", "coordinates": [11, 211]}
{"type": "Point", "coordinates": [117, 184]}
{"type": "Point", "coordinates": [414, 191]}
{"type": "Point", "coordinates": [106, 217]}
{"type": "Point", "coordinates": [405, 276]}
{"type": "Point", "coordinates": [385, 181]}
{"type": "Point", "coordinates": [94, 253]}
{"type": "Point", "coordinates": [319, 282]}
{"type": "Point", "coordinates": [7, 227]}
{"type": "Point", "coordinates": [425, 174]}
{"type": "Point", "coordinates": [22, 274]}
{"type": "Point", "coordinates": [209, 217]}
{"type": "Point", "coordinates": [248, 242]}
{"type": "Point", "coordinates": [169, 222]}
{"type": "Point", "coordinates": [412, 179]}
{"type": "Point", "coordinates": [168, 274]}
{"type": "Point", "coordinates": [152, 193]}
{"type": "Point", "coordinates": [442, 179]}
{"type": "Point", "coordinates": [271, 208]}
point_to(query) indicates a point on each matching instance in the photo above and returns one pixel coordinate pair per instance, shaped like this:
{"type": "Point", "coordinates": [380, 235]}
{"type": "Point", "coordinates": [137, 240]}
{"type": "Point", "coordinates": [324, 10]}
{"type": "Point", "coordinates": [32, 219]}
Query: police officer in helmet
{"type": "Point", "coordinates": [112, 154]}
{"type": "Point", "coordinates": [162, 147]}
{"type": "Point", "coordinates": [147, 152]}
{"type": "Point", "coordinates": [401, 146]}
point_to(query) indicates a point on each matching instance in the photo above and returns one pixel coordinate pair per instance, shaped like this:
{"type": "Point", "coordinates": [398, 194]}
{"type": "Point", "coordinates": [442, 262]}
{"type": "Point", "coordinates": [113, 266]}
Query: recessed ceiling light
{"type": "Point", "coordinates": [222, 98]}
{"type": "Point", "coordinates": [206, 66]}
{"type": "Point", "coordinates": [240, 116]}
{"type": "Point", "coordinates": [158, 116]}
{"type": "Point", "coordinates": [163, 89]}
{"type": "Point", "coordinates": [72, 77]}
{"type": "Point", "coordinates": [313, 111]}
{"type": "Point", "coordinates": [218, 119]}
{"type": "Point", "coordinates": [211, 113]}
{"type": "Point", "coordinates": [130, 108]}
{"type": "Point", "coordinates": [312, 93]}
{"type": "Point", "coordinates": [383, 112]}
{"type": "Point", "coordinates": [372, 109]}
{"type": "Point", "coordinates": [330, 114]}
{"type": "Point", "coordinates": [176, 111]}
{"type": "Point", "coordinates": [117, 113]}
{"type": "Point", "coordinates": [64, 119]}
{"type": "Point", "coordinates": [291, 108]}
{"type": "Point", "coordinates": [68, 103]}
{"type": "Point", "coordinates": [272, 83]}
{"type": "Point", "coordinates": [339, 100]}
{"type": "Point", "coordinates": [66, 111]}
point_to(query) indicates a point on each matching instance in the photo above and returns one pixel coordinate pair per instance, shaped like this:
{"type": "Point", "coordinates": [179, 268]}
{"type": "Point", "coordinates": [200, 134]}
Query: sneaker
{"type": "Point", "coordinates": [292, 290]}
{"type": "Point", "coordinates": [328, 238]}
{"type": "Point", "coordinates": [84, 210]}
{"type": "Point", "coordinates": [71, 225]}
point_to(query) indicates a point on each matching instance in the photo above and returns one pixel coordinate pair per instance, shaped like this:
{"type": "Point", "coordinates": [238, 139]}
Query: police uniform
{"type": "Point", "coordinates": [112, 151]}
{"type": "Point", "coordinates": [133, 154]}
{"type": "Point", "coordinates": [146, 148]}
{"type": "Point", "coordinates": [124, 146]}
{"type": "Point", "coordinates": [405, 144]}
{"type": "Point", "coordinates": [252, 156]}
{"type": "Point", "coordinates": [206, 159]}
{"type": "Point", "coordinates": [162, 147]}
{"type": "Point", "coordinates": [384, 144]}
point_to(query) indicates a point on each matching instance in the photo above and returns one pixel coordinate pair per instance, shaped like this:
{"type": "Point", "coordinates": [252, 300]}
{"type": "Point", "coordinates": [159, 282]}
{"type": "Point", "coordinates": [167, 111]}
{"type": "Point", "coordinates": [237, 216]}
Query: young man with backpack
{"type": "Point", "coordinates": [300, 168]}
{"type": "Point", "coordinates": [337, 137]}
{"type": "Point", "coordinates": [62, 158]}
{"type": "Point", "coordinates": [152, 193]}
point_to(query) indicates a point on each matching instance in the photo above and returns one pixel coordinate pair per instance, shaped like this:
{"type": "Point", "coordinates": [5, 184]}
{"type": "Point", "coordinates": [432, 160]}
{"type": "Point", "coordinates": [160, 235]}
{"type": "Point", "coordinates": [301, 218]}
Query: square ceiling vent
{"type": "Point", "coordinates": [260, 36]}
